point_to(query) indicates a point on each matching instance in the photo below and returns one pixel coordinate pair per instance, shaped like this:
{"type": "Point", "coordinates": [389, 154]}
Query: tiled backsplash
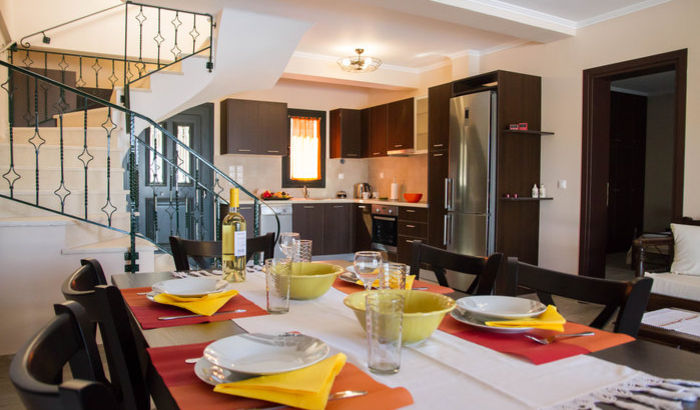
{"type": "Point", "coordinates": [411, 174]}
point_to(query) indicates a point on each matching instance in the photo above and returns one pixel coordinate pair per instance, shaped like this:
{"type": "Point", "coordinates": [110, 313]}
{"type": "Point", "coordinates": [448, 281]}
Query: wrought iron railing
{"type": "Point", "coordinates": [173, 32]}
{"type": "Point", "coordinates": [69, 169]}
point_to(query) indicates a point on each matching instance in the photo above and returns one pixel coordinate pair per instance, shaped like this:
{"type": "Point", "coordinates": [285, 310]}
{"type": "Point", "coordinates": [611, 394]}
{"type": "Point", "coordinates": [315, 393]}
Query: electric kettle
{"type": "Point", "coordinates": [360, 188]}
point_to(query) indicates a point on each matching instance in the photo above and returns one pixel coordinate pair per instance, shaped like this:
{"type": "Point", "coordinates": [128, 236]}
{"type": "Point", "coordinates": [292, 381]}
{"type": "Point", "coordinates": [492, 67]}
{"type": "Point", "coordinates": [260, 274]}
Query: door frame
{"type": "Point", "coordinates": [596, 140]}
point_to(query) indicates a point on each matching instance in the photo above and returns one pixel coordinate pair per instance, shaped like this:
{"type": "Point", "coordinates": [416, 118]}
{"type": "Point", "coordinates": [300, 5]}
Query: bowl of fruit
{"type": "Point", "coordinates": [275, 196]}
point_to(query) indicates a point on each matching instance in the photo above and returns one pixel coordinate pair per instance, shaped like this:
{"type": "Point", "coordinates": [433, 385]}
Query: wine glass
{"type": "Point", "coordinates": [286, 242]}
{"type": "Point", "coordinates": [367, 267]}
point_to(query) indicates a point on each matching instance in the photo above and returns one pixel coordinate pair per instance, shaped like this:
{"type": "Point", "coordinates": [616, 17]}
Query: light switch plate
{"type": "Point", "coordinates": [561, 184]}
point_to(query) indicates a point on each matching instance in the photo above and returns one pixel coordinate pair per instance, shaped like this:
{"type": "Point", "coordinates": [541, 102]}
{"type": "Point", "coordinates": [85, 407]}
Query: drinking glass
{"type": "Point", "coordinates": [286, 242]}
{"type": "Point", "coordinates": [302, 250]}
{"type": "Point", "coordinates": [277, 284]}
{"type": "Point", "coordinates": [367, 267]}
{"type": "Point", "coordinates": [393, 275]}
{"type": "Point", "coordinates": [384, 317]}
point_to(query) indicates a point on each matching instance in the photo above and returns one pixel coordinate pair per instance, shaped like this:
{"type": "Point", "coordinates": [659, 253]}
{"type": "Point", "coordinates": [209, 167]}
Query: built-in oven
{"type": "Point", "coordinates": [385, 227]}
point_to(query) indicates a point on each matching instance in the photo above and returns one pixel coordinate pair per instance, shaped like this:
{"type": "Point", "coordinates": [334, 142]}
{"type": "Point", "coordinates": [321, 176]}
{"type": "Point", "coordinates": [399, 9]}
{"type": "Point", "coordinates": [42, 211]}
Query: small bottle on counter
{"type": "Point", "coordinates": [535, 191]}
{"type": "Point", "coordinates": [543, 191]}
{"type": "Point", "coordinates": [394, 190]}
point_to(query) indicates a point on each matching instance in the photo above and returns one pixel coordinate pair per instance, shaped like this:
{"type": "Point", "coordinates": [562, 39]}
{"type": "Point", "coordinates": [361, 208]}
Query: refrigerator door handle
{"type": "Point", "coordinates": [449, 193]}
{"type": "Point", "coordinates": [447, 230]}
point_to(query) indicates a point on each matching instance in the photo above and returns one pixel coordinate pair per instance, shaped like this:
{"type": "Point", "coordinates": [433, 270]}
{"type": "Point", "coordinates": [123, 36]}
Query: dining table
{"type": "Point", "coordinates": [444, 371]}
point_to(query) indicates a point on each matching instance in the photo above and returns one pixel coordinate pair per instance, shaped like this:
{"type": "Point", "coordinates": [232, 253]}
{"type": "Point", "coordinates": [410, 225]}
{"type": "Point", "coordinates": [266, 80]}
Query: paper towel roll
{"type": "Point", "coordinates": [394, 191]}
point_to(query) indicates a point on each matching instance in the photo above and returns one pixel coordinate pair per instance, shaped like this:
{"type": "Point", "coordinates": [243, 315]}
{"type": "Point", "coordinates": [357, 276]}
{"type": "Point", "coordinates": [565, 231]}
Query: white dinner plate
{"type": "Point", "coordinates": [500, 307]}
{"type": "Point", "coordinates": [472, 321]}
{"type": "Point", "coordinates": [256, 353]}
{"type": "Point", "coordinates": [192, 287]}
{"type": "Point", "coordinates": [211, 374]}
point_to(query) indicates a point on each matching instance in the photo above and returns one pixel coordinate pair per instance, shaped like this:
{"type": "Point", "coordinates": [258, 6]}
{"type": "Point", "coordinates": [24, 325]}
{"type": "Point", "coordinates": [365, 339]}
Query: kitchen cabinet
{"type": "Point", "coordinates": [362, 223]}
{"type": "Point", "coordinates": [308, 221]}
{"type": "Point", "coordinates": [248, 212]}
{"type": "Point", "coordinates": [378, 127]}
{"type": "Point", "coordinates": [438, 167]}
{"type": "Point", "coordinates": [346, 136]}
{"type": "Point", "coordinates": [254, 127]}
{"type": "Point", "coordinates": [400, 124]}
{"type": "Point", "coordinates": [338, 231]}
{"type": "Point", "coordinates": [412, 225]}
{"type": "Point", "coordinates": [439, 117]}
{"type": "Point", "coordinates": [364, 131]}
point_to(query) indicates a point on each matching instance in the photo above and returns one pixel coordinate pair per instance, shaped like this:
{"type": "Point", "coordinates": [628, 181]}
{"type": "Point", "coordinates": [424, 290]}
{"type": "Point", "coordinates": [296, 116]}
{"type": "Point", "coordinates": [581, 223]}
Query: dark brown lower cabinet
{"type": "Point", "coordinates": [362, 223]}
{"type": "Point", "coordinates": [412, 225]}
{"type": "Point", "coordinates": [308, 221]}
{"type": "Point", "coordinates": [438, 166]}
{"type": "Point", "coordinates": [337, 229]}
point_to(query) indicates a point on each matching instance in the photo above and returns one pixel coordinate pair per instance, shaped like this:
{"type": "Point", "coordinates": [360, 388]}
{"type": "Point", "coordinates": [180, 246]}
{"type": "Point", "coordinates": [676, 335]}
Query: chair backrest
{"type": "Point", "coordinates": [105, 307]}
{"type": "Point", "coordinates": [630, 297]}
{"type": "Point", "coordinates": [438, 260]}
{"type": "Point", "coordinates": [202, 251]}
{"type": "Point", "coordinates": [37, 368]}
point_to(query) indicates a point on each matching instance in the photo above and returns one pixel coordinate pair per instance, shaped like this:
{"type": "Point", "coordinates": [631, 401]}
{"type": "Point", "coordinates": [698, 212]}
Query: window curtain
{"type": "Point", "coordinates": [305, 147]}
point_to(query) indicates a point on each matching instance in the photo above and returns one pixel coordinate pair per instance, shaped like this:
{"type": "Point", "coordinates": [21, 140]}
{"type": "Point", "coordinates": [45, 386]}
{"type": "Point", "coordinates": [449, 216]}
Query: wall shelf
{"type": "Point", "coordinates": [533, 132]}
{"type": "Point", "coordinates": [527, 198]}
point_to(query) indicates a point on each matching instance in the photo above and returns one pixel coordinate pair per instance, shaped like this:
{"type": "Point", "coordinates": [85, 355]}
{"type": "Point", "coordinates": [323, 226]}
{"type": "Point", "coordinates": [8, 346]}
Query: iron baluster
{"type": "Point", "coordinates": [140, 18]}
{"type": "Point", "coordinates": [36, 140]}
{"type": "Point", "coordinates": [159, 40]}
{"type": "Point", "coordinates": [80, 82]}
{"type": "Point", "coordinates": [109, 127]}
{"type": "Point", "coordinates": [46, 89]}
{"type": "Point", "coordinates": [96, 67]}
{"type": "Point", "coordinates": [194, 33]}
{"type": "Point", "coordinates": [11, 176]}
{"type": "Point", "coordinates": [177, 186]}
{"type": "Point", "coordinates": [210, 64]}
{"type": "Point", "coordinates": [62, 192]}
{"type": "Point", "coordinates": [176, 51]}
{"type": "Point", "coordinates": [85, 157]}
{"type": "Point", "coordinates": [131, 254]}
{"type": "Point", "coordinates": [112, 77]}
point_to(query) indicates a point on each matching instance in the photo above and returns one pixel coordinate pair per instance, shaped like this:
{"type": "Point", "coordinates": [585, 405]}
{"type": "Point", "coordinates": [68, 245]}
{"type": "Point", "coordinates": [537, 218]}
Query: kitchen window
{"type": "Point", "coordinates": [306, 162]}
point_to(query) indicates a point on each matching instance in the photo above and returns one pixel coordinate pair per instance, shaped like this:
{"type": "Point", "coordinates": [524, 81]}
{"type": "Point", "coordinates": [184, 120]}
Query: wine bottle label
{"type": "Point", "coordinates": [239, 243]}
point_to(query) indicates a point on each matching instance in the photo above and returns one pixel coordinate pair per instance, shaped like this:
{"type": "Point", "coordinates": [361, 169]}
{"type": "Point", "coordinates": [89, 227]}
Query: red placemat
{"type": "Point", "coordinates": [148, 312]}
{"type": "Point", "coordinates": [519, 345]}
{"type": "Point", "coordinates": [348, 288]}
{"type": "Point", "coordinates": [191, 393]}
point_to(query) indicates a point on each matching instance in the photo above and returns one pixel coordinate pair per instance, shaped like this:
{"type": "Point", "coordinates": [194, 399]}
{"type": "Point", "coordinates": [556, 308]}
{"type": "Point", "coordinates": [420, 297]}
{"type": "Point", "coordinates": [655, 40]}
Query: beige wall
{"type": "Point", "coordinates": [411, 173]}
{"type": "Point", "coordinates": [667, 27]}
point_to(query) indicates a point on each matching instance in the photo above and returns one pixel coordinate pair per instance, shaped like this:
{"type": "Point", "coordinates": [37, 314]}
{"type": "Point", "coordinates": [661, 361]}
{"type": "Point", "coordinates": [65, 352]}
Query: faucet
{"type": "Point", "coordinates": [305, 190]}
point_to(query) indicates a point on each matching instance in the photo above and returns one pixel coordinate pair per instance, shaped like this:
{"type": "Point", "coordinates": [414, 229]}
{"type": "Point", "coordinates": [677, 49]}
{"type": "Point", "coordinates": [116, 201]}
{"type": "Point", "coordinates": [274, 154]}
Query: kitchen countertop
{"type": "Point", "coordinates": [343, 201]}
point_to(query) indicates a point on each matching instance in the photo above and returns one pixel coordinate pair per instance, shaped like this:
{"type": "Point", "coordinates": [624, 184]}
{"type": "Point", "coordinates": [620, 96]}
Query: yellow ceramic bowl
{"type": "Point", "coordinates": [312, 279]}
{"type": "Point", "coordinates": [422, 312]}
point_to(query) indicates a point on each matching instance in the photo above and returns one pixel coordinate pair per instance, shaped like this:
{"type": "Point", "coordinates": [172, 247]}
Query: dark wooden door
{"type": "Point", "coordinates": [400, 124]}
{"type": "Point", "coordinates": [438, 167]}
{"type": "Point", "coordinates": [439, 117]}
{"type": "Point", "coordinates": [307, 220]}
{"type": "Point", "coordinates": [627, 159]}
{"type": "Point", "coordinates": [170, 202]}
{"type": "Point", "coordinates": [378, 116]}
{"type": "Point", "coordinates": [346, 137]}
{"type": "Point", "coordinates": [338, 230]}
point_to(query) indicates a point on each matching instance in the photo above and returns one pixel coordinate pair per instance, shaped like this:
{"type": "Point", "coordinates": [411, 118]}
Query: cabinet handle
{"type": "Point", "coordinates": [376, 153]}
{"type": "Point", "coordinates": [409, 241]}
{"type": "Point", "coordinates": [437, 145]}
{"type": "Point", "coordinates": [362, 207]}
{"type": "Point", "coordinates": [338, 206]}
{"type": "Point", "coordinates": [351, 155]}
{"type": "Point", "coordinates": [410, 211]}
{"type": "Point", "coordinates": [246, 207]}
{"type": "Point", "coordinates": [410, 226]}
{"type": "Point", "coordinates": [308, 207]}
{"type": "Point", "coordinates": [272, 150]}
{"type": "Point", "coordinates": [437, 155]}
{"type": "Point", "coordinates": [244, 150]}
{"type": "Point", "coordinates": [399, 145]}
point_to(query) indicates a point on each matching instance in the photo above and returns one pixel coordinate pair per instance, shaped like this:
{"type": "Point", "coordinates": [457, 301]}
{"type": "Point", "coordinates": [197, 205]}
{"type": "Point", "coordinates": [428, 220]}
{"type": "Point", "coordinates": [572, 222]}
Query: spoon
{"type": "Point", "coordinates": [549, 339]}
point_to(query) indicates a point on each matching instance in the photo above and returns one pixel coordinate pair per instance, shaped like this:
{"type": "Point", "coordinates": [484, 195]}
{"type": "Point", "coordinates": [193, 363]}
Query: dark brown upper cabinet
{"type": "Point", "coordinates": [378, 127]}
{"type": "Point", "coordinates": [254, 127]}
{"type": "Point", "coordinates": [439, 117]}
{"type": "Point", "coordinates": [346, 136]}
{"type": "Point", "coordinates": [400, 124]}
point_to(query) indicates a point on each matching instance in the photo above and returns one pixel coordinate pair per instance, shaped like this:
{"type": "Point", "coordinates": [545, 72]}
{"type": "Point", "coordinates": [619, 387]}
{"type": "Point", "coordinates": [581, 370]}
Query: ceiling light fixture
{"type": "Point", "coordinates": [359, 63]}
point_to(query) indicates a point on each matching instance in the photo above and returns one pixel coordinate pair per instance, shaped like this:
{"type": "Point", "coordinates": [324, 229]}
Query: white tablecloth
{"type": "Point", "coordinates": [444, 372]}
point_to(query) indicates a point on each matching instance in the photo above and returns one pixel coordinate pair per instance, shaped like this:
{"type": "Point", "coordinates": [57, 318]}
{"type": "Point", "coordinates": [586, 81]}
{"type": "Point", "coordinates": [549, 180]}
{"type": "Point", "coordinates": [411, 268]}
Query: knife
{"type": "Point", "coordinates": [188, 316]}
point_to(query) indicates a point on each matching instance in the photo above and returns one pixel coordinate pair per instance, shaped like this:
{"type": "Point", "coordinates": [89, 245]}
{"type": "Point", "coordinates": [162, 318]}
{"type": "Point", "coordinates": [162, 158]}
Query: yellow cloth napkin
{"type": "Point", "coordinates": [306, 388]}
{"type": "Point", "coordinates": [203, 305]}
{"type": "Point", "coordinates": [550, 319]}
{"type": "Point", "coordinates": [375, 284]}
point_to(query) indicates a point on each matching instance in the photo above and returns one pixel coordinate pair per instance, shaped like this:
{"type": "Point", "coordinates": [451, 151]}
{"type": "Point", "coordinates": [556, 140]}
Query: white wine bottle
{"type": "Point", "coordinates": [233, 246]}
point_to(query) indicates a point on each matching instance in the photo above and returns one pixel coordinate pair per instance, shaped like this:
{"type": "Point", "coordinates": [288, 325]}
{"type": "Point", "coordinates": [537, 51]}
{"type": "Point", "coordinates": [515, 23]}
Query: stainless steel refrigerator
{"type": "Point", "coordinates": [471, 184]}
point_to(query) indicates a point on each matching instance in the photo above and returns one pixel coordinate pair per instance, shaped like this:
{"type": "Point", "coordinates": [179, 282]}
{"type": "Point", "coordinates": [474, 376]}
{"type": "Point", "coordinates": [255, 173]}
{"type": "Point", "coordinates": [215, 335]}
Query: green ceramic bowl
{"type": "Point", "coordinates": [422, 312]}
{"type": "Point", "coordinates": [312, 279]}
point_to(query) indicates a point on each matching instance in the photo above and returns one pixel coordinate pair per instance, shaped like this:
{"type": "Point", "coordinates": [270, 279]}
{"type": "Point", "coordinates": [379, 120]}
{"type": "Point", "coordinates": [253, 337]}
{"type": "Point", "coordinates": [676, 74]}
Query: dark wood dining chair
{"type": "Point", "coordinates": [201, 252]}
{"type": "Point", "coordinates": [36, 370]}
{"type": "Point", "coordinates": [106, 309]}
{"type": "Point", "coordinates": [629, 297]}
{"type": "Point", "coordinates": [438, 260]}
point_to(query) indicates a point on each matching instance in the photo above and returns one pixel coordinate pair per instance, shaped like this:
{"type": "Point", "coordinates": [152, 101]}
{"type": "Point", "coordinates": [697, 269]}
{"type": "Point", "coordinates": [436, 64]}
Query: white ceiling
{"type": "Point", "coordinates": [650, 84]}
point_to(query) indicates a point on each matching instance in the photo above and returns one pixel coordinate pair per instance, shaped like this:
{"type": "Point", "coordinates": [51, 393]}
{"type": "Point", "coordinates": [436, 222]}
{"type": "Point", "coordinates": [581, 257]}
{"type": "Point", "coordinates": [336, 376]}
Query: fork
{"type": "Point", "coordinates": [549, 339]}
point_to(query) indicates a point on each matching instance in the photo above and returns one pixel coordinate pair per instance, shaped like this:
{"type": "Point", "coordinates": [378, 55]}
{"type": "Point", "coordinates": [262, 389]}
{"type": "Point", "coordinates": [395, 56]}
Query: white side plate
{"type": "Point", "coordinates": [256, 353]}
{"type": "Point", "coordinates": [500, 307]}
{"type": "Point", "coordinates": [211, 374]}
{"type": "Point", "coordinates": [471, 321]}
{"type": "Point", "coordinates": [192, 287]}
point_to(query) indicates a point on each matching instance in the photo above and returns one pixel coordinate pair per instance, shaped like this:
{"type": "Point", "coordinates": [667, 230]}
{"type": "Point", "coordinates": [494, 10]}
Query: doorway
{"type": "Point", "coordinates": [615, 160]}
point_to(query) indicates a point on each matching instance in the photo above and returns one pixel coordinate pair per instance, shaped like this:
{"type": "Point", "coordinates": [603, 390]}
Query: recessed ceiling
{"type": "Point", "coordinates": [650, 84]}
